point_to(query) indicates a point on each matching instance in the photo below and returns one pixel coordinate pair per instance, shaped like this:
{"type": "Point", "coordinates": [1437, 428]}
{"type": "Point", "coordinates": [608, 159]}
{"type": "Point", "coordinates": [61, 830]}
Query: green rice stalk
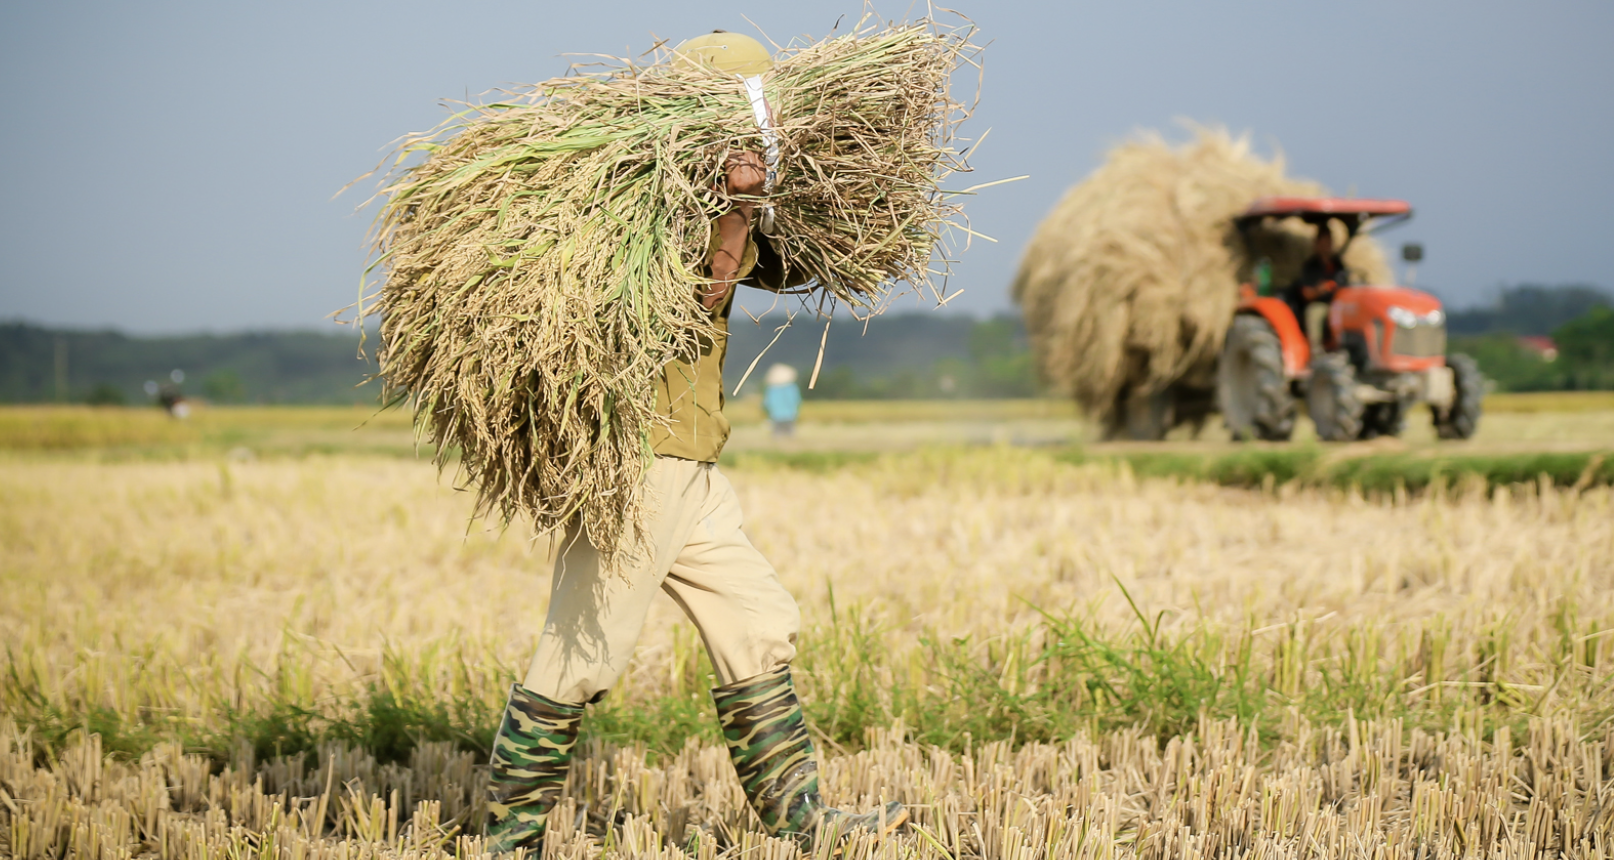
{"type": "Point", "coordinates": [540, 255]}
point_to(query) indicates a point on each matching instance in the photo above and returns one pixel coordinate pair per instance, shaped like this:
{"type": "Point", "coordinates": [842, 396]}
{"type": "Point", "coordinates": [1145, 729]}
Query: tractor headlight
{"type": "Point", "coordinates": [1402, 317]}
{"type": "Point", "coordinates": [1434, 317]}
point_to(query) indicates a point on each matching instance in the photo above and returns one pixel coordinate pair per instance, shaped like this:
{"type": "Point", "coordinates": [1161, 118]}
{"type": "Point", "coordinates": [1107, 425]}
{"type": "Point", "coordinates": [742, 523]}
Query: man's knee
{"type": "Point", "coordinates": [779, 626]}
{"type": "Point", "coordinates": [789, 615]}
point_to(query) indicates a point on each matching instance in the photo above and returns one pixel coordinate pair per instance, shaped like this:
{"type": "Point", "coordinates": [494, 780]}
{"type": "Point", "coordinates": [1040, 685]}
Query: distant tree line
{"type": "Point", "coordinates": [923, 355]}
{"type": "Point", "coordinates": [42, 365]}
{"type": "Point", "coordinates": [911, 355]}
{"type": "Point", "coordinates": [1579, 319]}
{"type": "Point", "coordinates": [904, 355]}
{"type": "Point", "coordinates": [1528, 309]}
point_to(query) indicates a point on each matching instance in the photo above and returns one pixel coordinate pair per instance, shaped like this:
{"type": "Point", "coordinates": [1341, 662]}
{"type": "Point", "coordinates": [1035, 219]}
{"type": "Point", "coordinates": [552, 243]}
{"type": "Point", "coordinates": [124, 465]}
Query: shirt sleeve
{"type": "Point", "coordinates": [770, 272]}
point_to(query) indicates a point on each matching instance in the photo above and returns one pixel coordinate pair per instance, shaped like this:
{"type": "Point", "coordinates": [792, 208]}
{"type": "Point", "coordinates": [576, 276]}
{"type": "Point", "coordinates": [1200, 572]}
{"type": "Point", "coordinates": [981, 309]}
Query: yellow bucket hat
{"type": "Point", "coordinates": [727, 52]}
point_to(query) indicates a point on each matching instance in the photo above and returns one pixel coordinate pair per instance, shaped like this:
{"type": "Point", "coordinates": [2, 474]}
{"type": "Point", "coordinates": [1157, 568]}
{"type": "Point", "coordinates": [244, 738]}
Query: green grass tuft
{"type": "Point", "coordinates": [1378, 472]}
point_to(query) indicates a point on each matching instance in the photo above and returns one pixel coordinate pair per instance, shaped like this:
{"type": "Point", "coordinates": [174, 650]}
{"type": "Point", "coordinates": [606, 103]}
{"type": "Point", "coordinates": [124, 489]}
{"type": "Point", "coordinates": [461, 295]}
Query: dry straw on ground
{"type": "Point", "coordinates": [542, 260]}
{"type": "Point", "coordinates": [1129, 284]}
{"type": "Point", "coordinates": [305, 580]}
{"type": "Point", "coordinates": [1368, 790]}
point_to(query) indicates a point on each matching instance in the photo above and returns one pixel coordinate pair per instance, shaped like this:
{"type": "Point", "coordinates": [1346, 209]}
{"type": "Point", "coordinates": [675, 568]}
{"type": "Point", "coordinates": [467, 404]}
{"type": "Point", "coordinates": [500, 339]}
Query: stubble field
{"type": "Point", "coordinates": [229, 653]}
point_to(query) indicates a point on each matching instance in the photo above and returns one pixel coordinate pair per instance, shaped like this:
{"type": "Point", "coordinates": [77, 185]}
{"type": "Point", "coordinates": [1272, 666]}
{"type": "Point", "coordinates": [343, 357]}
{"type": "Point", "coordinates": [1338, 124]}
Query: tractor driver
{"type": "Point", "coordinates": [1321, 274]}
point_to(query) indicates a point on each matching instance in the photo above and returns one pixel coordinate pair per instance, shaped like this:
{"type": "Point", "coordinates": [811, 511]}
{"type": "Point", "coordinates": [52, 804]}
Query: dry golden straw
{"type": "Point", "coordinates": [1367, 790]}
{"type": "Point", "coordinates": [541, 262]}
{"type": "Point", "coordinates": [278, 580]}
{"type": "Point", "coordinates": [1128, 286]}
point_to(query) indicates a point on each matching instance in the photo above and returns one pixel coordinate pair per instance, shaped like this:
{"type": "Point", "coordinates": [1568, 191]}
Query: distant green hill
{"type": "Point", "coordinates": [1578, 318]}
{"type": "Point", "coordinates": [923, 354]}
{"type": "Point", "coordinates": [907, 355]}
{"type": "Point", "coordinates": [42, 365]}
{"type": "Point", "coordinates": [1528, 309]}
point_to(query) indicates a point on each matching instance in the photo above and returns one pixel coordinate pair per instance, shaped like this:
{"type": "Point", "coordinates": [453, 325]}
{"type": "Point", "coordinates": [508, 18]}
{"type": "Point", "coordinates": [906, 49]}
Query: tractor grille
{"type": "Point", "coordinates": [1420, 341]}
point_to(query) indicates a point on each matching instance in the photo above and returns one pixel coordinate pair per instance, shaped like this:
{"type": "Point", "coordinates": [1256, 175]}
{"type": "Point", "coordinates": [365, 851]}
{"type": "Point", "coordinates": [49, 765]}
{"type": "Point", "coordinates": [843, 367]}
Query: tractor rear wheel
{"type": "Point", "coordinates": [1461, 419]}
{"type": "Point", "coordinates": [1331, 398]}
{"type": "Point", "coordinates": [1251, 388]}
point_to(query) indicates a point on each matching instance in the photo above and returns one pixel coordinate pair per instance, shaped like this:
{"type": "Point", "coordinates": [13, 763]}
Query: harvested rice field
{"type": "Point", "coordinates": [224, 654]}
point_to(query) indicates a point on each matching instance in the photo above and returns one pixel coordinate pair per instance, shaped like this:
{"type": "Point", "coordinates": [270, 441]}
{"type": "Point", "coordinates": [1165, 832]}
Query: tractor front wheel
{"type": "Point", "coordinates": [1251, 388]}
{"type": "Point", "coordinates": [1331, 398]}
{"type": "Point", "coordinates": [1461, 419]}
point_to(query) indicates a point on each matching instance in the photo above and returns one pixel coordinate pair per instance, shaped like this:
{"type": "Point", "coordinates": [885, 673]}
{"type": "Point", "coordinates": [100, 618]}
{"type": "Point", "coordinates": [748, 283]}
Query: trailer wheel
{"type": "Point", "coordinates": [1331, 398]}
{"type": "Point", "coordinates": [1384, 419]}
{"type": "Point", "coordinates": [1143, 417]}
{"type": "Point", "coordinates": [1251, 388]}
{"type": "Point", "coordinates": [1461, 419]}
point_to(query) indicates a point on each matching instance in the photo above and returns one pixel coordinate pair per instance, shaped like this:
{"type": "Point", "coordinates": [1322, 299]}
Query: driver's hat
{"type": "Point", "coordinates": [731, 53]}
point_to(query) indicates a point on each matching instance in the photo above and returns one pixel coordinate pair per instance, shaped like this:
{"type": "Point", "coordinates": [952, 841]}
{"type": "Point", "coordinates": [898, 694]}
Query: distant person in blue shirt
{"type": "Point", "coordinates": [782, 399]}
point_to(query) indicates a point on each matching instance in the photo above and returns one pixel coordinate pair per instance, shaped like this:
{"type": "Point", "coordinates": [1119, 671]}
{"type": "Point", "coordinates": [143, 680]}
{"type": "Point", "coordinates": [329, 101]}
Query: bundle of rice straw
{"type": "Point", "coordinates": [1129, 285]}
{"type": "Point", "coordinates": [542, 254]}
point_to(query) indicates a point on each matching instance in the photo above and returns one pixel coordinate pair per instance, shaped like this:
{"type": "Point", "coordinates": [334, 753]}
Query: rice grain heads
{"type": "Point", "coordinates": [1128, 286]}
{"type": "Point", "coordinates": [541, 255]}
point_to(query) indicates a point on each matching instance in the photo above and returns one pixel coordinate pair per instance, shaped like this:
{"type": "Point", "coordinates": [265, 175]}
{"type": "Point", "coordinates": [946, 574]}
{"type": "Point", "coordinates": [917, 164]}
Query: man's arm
{"type": "Point", "coordinates": [743, 176]}
{"type": "Point", "coordinates": [1315, 281]}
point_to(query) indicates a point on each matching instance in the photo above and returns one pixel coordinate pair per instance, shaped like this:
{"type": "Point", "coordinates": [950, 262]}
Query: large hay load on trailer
{"type": "Point", "coordinates": [1129, 285]}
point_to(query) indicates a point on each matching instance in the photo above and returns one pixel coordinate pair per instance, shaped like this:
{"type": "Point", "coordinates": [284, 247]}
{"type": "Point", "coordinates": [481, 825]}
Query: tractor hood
{"type": "Point", "coordinates": [1402, 329]}
{"type": "Point", "coordinates": [1401, 305]}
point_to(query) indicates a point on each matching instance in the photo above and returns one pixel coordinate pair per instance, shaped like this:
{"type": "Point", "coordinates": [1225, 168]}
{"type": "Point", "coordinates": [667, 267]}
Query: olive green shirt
{"type": "Point", "coordinates": [690, 393]}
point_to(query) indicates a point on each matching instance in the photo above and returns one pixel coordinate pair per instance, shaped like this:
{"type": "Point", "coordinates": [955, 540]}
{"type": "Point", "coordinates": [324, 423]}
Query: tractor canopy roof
{"type": "Point", "coordinates": [1352, 212]}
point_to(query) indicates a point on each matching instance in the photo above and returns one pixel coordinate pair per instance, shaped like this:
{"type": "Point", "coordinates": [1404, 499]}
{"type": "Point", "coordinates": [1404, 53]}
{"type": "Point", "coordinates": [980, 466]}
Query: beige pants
{"type": "Point", "coordinates": [701, 559]}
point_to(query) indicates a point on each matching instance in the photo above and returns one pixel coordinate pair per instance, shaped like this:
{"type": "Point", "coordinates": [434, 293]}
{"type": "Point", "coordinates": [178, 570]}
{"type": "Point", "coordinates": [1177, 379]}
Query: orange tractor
{"type": "Point", "coordinates": [1359, 356]}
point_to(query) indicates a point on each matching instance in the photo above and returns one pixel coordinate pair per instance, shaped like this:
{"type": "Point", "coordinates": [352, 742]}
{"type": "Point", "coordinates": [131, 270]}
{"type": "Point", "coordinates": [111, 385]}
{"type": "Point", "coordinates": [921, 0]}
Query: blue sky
{"type": "Point", "coordinates": [170, 167]}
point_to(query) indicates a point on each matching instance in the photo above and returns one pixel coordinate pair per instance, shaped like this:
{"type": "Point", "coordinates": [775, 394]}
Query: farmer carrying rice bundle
{"type": "Point", "coordinates": [560, 272]}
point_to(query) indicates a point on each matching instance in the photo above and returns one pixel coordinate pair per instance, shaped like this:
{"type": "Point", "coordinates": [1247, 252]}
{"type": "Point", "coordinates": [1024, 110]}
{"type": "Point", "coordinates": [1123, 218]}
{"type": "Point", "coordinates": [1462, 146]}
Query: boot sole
{"type": "Point", "coordinates": [894, 823]}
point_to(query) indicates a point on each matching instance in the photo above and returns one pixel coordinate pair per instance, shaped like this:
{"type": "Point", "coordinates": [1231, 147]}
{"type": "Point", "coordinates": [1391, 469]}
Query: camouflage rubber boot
{"type": "Point", "coordinates": [767, 738]}
{"type": "Point", "coordinates": [531, 754]}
